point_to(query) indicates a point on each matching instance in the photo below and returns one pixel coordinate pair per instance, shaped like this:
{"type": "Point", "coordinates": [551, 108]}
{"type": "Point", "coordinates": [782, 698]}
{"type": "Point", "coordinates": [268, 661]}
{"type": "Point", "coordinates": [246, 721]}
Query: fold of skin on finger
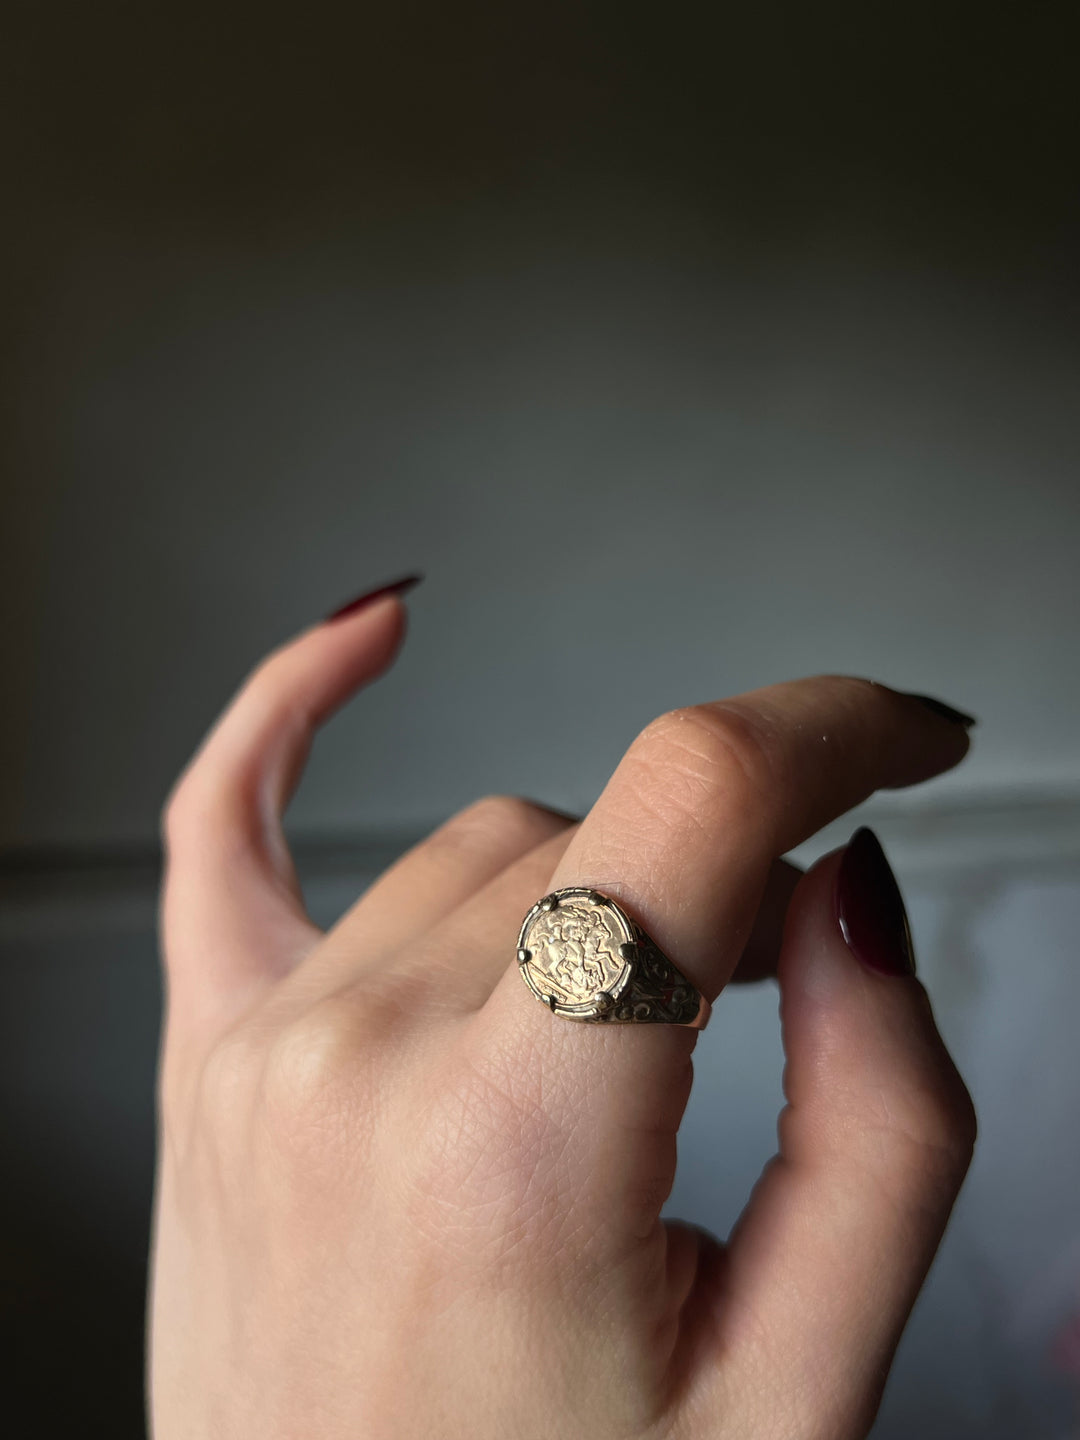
{"type": "Point", "coordinates": [825, 1263]}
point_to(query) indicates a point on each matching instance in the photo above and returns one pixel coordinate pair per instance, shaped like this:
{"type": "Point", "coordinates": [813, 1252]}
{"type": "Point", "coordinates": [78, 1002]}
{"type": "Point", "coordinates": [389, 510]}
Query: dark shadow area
{"type": "Point", "coordinates": [77, 1057]}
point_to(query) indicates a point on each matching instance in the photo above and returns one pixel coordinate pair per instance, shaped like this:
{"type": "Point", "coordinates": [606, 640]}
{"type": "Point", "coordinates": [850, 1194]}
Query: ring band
{"type": "Point", "coordinates": [585, 959]}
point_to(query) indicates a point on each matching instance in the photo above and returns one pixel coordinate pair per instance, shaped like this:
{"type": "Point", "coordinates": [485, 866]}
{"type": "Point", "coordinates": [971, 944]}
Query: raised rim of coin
{"type": "Point", "coordinates": [603, 1001]}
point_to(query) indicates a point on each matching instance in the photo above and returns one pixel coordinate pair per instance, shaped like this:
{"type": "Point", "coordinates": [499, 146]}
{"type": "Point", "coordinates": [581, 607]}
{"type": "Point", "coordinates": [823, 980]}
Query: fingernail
{"type": "Point", "coordinates": [870, 908]}
{"type": "Point", "coordinates": [947, 712]}
{"type": "Point", "coordinates": [396, 587]}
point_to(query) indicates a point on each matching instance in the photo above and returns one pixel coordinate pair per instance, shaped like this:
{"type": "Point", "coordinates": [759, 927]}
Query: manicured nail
{"type": "Point", "coordinates": [947, 712]}
{"type": "Point", "coordinates": [870, 909]}
{"type": "Point", "coordinates": [396, 587]}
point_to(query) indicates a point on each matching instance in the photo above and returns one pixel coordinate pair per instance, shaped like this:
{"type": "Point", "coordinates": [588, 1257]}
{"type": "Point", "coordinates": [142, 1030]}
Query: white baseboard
{"type": "Point", "coordinates": [47, 896]}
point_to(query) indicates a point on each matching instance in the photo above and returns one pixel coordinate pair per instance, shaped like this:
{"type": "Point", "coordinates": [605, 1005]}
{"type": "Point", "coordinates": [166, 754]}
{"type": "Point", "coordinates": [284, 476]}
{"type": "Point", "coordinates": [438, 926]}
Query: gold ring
{"type": "Point", "coordinates": [585, 959]}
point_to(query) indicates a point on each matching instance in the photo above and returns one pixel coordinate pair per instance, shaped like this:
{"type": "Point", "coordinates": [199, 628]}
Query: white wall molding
{"type": "Point", "coordinates": [46, 895]}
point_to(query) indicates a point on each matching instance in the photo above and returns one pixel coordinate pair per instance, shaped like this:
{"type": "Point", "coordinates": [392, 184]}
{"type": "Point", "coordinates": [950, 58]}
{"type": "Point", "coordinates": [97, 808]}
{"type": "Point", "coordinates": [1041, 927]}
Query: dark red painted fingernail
{"type": "Point", "coordinates": [947, 712]}
{"type": "Point", "coordinates": [870, 909]}
{"type": "Point", "coordinates": [396, 587]}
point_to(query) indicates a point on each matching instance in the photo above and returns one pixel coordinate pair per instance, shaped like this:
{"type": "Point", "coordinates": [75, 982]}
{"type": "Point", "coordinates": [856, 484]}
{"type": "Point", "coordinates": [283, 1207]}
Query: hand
{"type": "Point", "coordinates": [398, 1198]}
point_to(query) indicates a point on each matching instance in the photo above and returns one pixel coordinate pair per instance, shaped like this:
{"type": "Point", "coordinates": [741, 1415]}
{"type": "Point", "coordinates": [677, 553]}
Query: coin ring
{"type": "Point", "coordinates": [585, 959]}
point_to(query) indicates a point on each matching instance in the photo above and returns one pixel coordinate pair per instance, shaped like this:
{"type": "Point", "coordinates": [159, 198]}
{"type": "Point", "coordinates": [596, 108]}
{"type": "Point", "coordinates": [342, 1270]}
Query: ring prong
{"type": "Point", "coordinates": [524, 956]}
{"type": "Point", "coordinates": [628, 950]}
{"type": "Point", "coordinates": [551, 1003]}
{"type": "Point", "coordinates": [549, 902]}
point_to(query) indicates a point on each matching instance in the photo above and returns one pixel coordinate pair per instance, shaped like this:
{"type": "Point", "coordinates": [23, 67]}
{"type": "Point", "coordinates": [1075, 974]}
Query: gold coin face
{"type": "Point", "coordinates": [571, 952]}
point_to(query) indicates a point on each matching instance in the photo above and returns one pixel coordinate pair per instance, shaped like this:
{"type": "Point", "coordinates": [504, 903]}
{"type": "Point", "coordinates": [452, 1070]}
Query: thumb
{"type": "Point", "coordinates": [829, 1256]}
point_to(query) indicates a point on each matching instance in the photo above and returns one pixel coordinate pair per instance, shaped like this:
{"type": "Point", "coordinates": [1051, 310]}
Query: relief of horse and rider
{"type": "Point", "coordinates": [577, 950]}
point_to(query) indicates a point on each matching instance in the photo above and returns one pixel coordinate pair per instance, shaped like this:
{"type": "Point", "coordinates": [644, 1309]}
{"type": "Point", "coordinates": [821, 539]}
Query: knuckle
{"type": "Point", "coordinates": [179, 812]}
{"type": "Point", "coordinates": [931, 1137]}
{"type": "Point", "coordinates": [496, 817]}
{"type": "Point", "coordinates": [497, 812]}
{"type": "Point", "coordinates": [723, 744]}
{"type": "Point", "coordinates": [199, 813]}
{"type": "Point", "coordinates": [229, 1079]}
{"type": "Point", "coordinates": [309, 1069]}
{"type": "Point", "coordinates": [949, 1126]}
{"type": "Point", "coordinates": [271, 680]}
{"type": "Point", "coordinates": [206, 800]}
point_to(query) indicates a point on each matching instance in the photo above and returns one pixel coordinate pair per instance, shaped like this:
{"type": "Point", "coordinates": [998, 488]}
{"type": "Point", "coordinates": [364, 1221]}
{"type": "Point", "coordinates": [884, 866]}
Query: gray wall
{"type": "Point", "coordinates": [632, 482]}
{"type": "Point", "coordinates": [681, 361]}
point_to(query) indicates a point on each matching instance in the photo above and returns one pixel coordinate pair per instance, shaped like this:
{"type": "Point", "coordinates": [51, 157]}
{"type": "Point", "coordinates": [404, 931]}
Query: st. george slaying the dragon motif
{"type": "Point", "coordinates": [582, 955]}
{"type": "Point", "coordinates": [577, 949]}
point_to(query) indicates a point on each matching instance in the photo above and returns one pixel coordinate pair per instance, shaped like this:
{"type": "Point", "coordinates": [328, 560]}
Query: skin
{"type": "Point", "coordinates": [397, 1198]}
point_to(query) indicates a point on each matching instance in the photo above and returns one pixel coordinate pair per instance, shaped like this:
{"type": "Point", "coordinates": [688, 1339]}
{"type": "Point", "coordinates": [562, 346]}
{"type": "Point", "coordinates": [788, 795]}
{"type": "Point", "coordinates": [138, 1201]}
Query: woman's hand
{"type": "Point", "coordinates": [396, 1197]}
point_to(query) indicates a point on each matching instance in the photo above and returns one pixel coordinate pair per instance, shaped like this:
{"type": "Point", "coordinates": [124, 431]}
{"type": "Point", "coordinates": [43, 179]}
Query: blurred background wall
{"type": "Point", "coordinates": [684, 349]}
